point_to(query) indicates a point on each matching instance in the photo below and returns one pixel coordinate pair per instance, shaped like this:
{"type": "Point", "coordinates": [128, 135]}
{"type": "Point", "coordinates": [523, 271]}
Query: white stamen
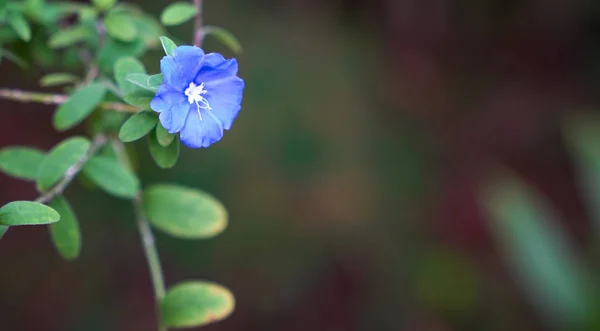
{"type": "Point", "coordinates": [194, 94]}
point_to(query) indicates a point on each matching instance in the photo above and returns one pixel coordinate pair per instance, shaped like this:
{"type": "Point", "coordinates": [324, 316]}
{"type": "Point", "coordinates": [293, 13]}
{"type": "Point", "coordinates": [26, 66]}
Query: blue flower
{"type": "Point", "coordinates": [200, 95]}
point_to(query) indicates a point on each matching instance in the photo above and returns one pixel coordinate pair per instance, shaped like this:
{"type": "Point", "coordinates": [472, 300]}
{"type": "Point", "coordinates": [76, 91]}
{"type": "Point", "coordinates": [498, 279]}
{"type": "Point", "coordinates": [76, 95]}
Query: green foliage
{"type": "Point", "coordinates": [139, 98]}
{"type": "Point", "coordinates": [70, 36]}
{"type": "Point", "coordinates": [106, 39]}
{"type": "Point", "coordinates": [20, 25]}
{"type": "Point", "coordinates": [224, 36]}
{"type": "Point", "coordinates": [120, 26]}
{"type": "Point", "coordinates": [178, 13]}
{"type": "Point", "coordinates": [112, 177]}
{"type": "Point", "coordinates": [168, 45]}
{"type": "Point", "coordinates": [146, 81]}
{"type": "Point", "coordinates": [113, 50]}
{"type": "Point", "coordinates": [137, 126]}
{"type": "Point", "coordinates": [21, 162]}
{"type": "Point", "coordinates": [544, 259]}
{"type": "Point", "coordinates": [104, 4]}
{"type": "Point", "coordinates": [164, 156]}
{"type": "Point", "coordinates": [163, 137]}
{"type": "Point", "coordinates": [195, 303]}
{"type": "Point", "coordinates": [59, 160]}
{"type": "Point", "coordinates": [27, 213]}
{"type": "Point", "coordinates": [124, 67]}
{"type": "Point", "coordinates": [65, 234]}
{"type": "Point", "coordinates": [59, 78]}
{"type": "Point", "coordinates": [79, 106]}
{"type": "Point", "coordinates": [184, 212]}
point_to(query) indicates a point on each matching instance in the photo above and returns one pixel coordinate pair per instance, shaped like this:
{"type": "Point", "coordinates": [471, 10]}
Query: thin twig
{"type": "Point", "coordinates": [57, 99]}
{"type": "Point", "coordinates": [198, 33]}
{"type": "Point", "coordinates": [148, 243]}
{"type": "Point", "coordinates": [70, 174]}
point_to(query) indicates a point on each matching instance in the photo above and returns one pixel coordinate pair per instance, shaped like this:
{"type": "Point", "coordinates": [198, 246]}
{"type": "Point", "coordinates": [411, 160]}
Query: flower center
{"type": "Point", "coordinates": [194, 93]}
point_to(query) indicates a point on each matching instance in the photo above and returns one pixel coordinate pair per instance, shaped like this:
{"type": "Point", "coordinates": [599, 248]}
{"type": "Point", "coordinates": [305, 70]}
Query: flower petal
{"type": "Point", "coordinates": [216, 68]}
{"type": "Point", "coordinates": [201, 132]}
{"type": "Point", "coordinates": [172, 74]}
{"type": "Point", "coordinates": [225, 98]}
{"type": "Point", "coordinates": [174, 119]}
{"type": "Point", "coordinates": [181, 68]}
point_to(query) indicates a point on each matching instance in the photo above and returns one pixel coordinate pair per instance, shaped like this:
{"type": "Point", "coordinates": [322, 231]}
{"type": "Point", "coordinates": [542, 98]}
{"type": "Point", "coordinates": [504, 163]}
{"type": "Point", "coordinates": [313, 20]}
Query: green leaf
{"type": "Point", "coordinates": [163, 137]}
{"type": "Point", "coordinates": [137, 126]}
{"type": "Point", "coordinates": [168, 45]}
{"type": "Point", "coordinates": [178, 13]}
{"type": "Point", "coordinates": [541, 255]}
{"type": "Point", "coordinates": [79, 106]}
{"type": "Point", "coordinates": [70, 36]}
{"type": "Point", "coordinates": [124, 67]}
{"type": "Point", "coordinates": [112, 177]}
{"type": "Point", "coordinates": [104, 5]}
{"type": "Point", "coordinates": [20, 25]}
{"type": "Point", "coordinates": [224, 36]}
{"type": "Point", "coordinates": [120, 26]}
{"type": "Point", "coordinates": [21, 162]}
{"type": "Point", "coordinates": [114, 49]}
{"type": "Point", "coordinates": [3, 230]}
{"type": "Point", "coordinates": [65, 234]}
{"type": "Point", "coordinates": [58, 78]}
{"type": "Point", "coordinates": [164, 156]}
{"type": "Point", "coordinates": [146, 81]}
{"type": "Point", "coordinates": [195, 303]}
{"type": "Point", "coordinates": [149, 29]}
{"type": "Point", "coordinates": [184, 212]}
{"type": "Point", "coordinates": [59, 160]}
{"type": "Point", "coordinates": [139, 98]}
{"type": "Point", "coordinates": [27, 213]}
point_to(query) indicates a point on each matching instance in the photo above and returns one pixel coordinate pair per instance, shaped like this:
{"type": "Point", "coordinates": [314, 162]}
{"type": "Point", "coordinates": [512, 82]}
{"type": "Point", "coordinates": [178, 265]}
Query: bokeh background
{"type": "Point", "coordinates": [351, 175]}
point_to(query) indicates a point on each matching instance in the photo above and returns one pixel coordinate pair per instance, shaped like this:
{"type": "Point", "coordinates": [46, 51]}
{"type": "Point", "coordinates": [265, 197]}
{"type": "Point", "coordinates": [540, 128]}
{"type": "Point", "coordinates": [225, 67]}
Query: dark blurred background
{"type": "Point", "coordinates": [350, 175]}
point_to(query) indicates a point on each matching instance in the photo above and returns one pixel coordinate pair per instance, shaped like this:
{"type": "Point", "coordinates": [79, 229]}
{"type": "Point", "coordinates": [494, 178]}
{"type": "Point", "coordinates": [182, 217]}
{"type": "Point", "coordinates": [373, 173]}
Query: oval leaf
{"type": "Point", "coordinates": [70, 36]}
{"type": "Point", "coordinates": [137, 126]}
{"type": "Point", "coordinates": [195, 303]}
{"type": "Point", "coordinates": [58, 78]}
{"type": "Point", "coordinates": [168, 45]}
{"type": "Point", "coordinates": [120, 27]}
{"type": "Point", "coordinates": [21, 162]}
{"type": "Point", "coordinates": [184, 212]}
{"type": "Point", "coordinates": [543, 258]}
{"type": "Point", "coordinates": [20, 25]}
{"type": "Point", "coordinates": [112, 177]}
{"type": "Point", "coordinates": [113, 50]}
{"type": "Point", "coordinates": [27, 213]}
{"type": "Point", "coordinates": [224, 36]}
{"type": "Point", "coordinates": [139, 98]}
{"type": "Point", "coordinates": [104, 4]}
{"type": "Point", "coordinates": [146, 81]}
{"type": "Point", "coordinates": [65, 234]}
{"type": "Point", "coordinates": [163, 136]}
{"type": "Point", "coordinates": [59, 160]}
{"type": "Point", "coordinates": [178, 13]}
{"type": "Point", "coordinates": [79, 106]}
{"type": "Point", "coordinates": [124, 67]}
{"type": "Point", "coordinates": [165, 156]}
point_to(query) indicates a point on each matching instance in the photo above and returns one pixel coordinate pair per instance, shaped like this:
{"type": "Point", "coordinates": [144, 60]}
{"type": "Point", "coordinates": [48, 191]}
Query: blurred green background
{"type": "Point", "coordinates": [353, 175]}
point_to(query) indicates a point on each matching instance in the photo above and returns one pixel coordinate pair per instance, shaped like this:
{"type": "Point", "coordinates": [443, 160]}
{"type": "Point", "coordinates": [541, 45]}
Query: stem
{"type": "Point", "coordinates": [58, 99]}
{"type": "Point", "coordinates": [60, 187]}
{"type": "Point", "coordinates": [147, 238]}
{"type": "Point", "coordinates": [198, 33]}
